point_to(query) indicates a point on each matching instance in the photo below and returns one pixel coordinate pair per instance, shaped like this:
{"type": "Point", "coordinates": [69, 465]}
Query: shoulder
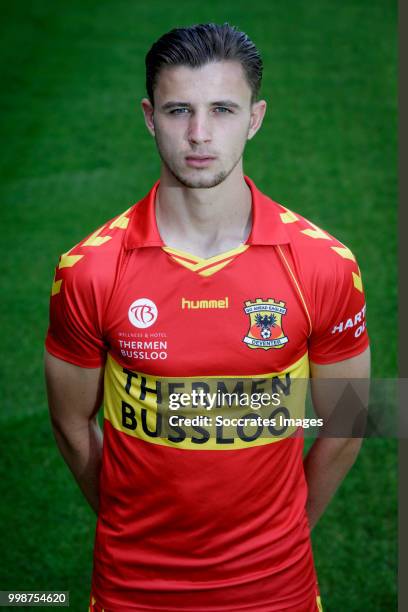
{"type": "Point", "coordinates": [94, 260]}
{"type": "Point", "coordinates": [84, 280]}
{"type": "Point", "coordinates": [314, 247]}
{"type": "Point", "coordinates": [327, 270]}
{"type": "Point", "coordinates": [318, 253]}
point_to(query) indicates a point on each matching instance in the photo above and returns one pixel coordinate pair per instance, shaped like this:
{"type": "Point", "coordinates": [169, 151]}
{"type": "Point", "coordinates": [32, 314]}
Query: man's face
{"type": "Point", "coordinates": [201, 120]}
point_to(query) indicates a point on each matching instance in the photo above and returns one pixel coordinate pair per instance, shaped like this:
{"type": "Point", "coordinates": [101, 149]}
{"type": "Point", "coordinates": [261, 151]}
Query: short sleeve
{"type": "Point", "coordinates": [75, 326]}
{"type": "Point", "coordinates": [339, 329]}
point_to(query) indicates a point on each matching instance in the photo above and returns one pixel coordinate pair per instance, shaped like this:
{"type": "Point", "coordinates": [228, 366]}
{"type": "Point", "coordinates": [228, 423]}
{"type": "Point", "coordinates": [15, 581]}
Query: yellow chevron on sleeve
{"type": "Point", "coordinates": [56, 287]}
{"type": "Point", "coordinates": [96, 240]}
{"type": "Point", "coordinates": [347, 254]}
{"type": "Point", "coordinates": [122, 221]}
{"type": "Point", "coordinates": [316, 232]}
{"type": "Point", "coordinates": [357, 281]}
{"type": "Point", "coordinates": [288, 216]}
{"type": "Point", "coordinates": [344, 252]}
{"type": "Point", "coordinates": [67, 261]}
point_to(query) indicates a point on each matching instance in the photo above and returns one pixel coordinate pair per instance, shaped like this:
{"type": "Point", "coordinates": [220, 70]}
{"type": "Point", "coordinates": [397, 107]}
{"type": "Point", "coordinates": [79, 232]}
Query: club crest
{"type": "Point", "coordinates": [265, 324]}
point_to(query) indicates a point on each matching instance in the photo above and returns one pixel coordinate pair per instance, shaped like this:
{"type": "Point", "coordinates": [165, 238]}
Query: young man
{"type": "Point", "coordinates": [203, 282]}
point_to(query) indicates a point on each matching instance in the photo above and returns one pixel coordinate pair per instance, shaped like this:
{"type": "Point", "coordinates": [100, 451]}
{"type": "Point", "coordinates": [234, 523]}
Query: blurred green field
{"type": "Point", "coordinates": [75, 153]}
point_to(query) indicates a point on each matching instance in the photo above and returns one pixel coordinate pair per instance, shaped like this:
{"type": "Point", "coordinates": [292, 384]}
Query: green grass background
{"type": "Point", "coordinates": [75, 153]}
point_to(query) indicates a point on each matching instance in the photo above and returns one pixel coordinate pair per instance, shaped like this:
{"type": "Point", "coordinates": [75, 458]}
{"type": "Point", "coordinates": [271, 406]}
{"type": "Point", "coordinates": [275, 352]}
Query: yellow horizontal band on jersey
{"type": "Point", "coordinates": [137, 404]}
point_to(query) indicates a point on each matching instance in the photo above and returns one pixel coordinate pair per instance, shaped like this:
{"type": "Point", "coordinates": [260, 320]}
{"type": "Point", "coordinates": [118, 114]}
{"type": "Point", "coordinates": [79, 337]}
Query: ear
{"type": "Point", "coordinates": [258, 110]}
{"type": "Point", "coordinates": [148, 112]}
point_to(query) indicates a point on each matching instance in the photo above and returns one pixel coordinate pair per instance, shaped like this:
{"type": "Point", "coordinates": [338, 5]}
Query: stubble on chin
{"type": "Point", "coordinates": [200, 182]}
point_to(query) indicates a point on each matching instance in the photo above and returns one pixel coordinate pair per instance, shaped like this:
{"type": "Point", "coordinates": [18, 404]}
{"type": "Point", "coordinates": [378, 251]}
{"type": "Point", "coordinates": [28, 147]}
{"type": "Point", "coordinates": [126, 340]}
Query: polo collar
{"type": "Point", "coordinates": [267, 226]}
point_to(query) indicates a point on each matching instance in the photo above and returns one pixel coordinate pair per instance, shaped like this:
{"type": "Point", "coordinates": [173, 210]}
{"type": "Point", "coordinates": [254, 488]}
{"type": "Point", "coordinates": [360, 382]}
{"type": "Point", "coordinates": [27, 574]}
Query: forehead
{"type": "Point", "coordinates": [216, 80]}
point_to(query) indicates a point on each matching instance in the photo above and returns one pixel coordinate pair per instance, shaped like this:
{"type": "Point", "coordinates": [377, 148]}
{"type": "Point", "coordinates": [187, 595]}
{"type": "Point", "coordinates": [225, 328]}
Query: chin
{"type": "Point", "coordinates": [200, 182]}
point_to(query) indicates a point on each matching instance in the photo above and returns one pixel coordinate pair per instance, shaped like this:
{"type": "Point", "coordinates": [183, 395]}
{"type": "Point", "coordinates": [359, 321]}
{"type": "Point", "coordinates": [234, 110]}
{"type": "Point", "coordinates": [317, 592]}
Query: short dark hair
{"type": "Point", "coordinates": [201, 44]}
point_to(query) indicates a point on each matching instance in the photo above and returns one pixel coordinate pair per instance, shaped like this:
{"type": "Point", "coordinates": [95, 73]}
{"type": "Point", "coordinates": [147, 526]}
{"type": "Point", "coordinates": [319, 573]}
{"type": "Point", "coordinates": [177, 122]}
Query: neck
{"type": "Point", "coordinates": [204, 222]}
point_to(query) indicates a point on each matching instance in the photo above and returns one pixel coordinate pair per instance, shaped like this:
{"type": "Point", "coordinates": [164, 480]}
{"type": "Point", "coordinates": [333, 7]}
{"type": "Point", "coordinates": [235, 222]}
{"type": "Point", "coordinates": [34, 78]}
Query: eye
{"type": "Point", "coordinates": [222, 109]}
{"type": "Point", "coordinates": [179, 111]}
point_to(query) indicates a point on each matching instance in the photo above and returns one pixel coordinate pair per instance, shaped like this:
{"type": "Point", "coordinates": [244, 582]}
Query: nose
{"type": "Point", "coordinates": [199, 128]}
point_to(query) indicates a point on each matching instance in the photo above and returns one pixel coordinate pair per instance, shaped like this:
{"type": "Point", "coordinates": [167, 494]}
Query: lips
{"type": "Point", "coordinates": [199, 161]}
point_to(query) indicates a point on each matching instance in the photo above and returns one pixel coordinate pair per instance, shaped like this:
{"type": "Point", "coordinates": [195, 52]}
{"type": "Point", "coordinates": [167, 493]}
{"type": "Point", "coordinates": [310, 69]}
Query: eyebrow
{"type": "Point", "coordinates": [174, 103]}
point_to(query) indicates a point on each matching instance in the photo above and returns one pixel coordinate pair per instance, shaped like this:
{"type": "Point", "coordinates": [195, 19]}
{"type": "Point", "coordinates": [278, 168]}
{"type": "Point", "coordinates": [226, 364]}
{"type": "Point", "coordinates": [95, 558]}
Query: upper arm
{"type": "Point", "coordinates": [342, 387]}
{"type": "Point", "coordinates": [74, 393]}
{"type": "Point", "coordinates": [355, 367]}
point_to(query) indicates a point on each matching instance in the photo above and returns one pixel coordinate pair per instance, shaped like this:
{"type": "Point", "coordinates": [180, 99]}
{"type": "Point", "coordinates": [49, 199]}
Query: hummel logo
{"type": "Point", "coordinates": [198, 304]}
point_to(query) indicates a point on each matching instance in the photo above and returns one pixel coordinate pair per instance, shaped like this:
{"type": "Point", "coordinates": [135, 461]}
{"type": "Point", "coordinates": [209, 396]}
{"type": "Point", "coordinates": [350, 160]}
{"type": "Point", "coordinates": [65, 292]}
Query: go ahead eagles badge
{"type": "Point", "coordinates": [265, 324]}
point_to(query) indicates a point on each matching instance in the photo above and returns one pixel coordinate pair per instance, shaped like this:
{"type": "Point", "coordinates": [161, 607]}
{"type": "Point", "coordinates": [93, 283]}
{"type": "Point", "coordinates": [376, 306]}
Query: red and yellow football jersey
{"type": "Point", "coordinates": [203, 518]}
